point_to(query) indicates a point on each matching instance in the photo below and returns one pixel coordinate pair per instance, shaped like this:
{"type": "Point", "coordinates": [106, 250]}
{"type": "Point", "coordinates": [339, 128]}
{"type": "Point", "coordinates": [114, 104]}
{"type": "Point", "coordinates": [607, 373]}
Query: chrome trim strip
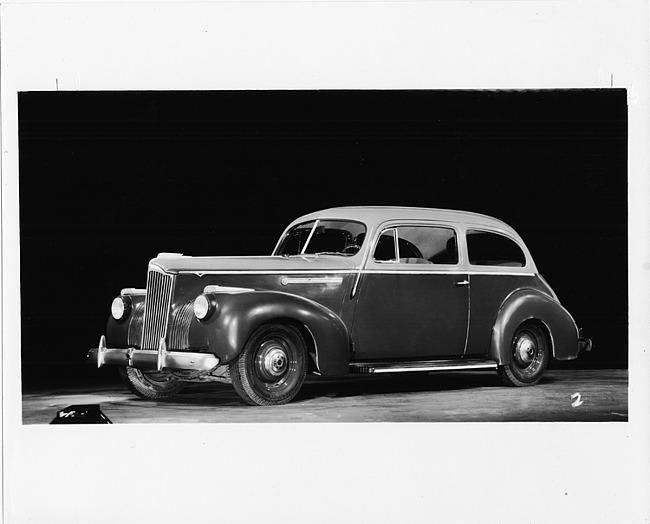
{"type": "Point", "coordinates": [226, 289]}
{"type": "Point", "coordinates": [356, 284]}
{"type": "Point", "coordinates": [434, 368]}
{"type": "Point", "coordinates": [311, 280]}
{"type": "Point", "coordinates": [432, 271]}
{"type": "Point", "coordinates": [379, 367]}
{"type": "Point", "coordinates": [502, 273]}
{"type": "Point", "coordinates": [469, 315]}
{"type": "Point", "coordinates": [133, 291]}
{"type": "Point", "coordinates": [275, 272]}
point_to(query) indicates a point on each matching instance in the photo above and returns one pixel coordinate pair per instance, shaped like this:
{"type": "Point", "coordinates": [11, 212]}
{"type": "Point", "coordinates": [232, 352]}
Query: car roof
{"type": "Point", "coordinates": [374, 215]}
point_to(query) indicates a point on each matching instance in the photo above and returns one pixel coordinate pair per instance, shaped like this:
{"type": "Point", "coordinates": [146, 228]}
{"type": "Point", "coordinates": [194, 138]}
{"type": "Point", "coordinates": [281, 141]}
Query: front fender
{"type": "Point", "coordinates": [239, 314]}
{"type": "Point", "coordinates": [531, 304]}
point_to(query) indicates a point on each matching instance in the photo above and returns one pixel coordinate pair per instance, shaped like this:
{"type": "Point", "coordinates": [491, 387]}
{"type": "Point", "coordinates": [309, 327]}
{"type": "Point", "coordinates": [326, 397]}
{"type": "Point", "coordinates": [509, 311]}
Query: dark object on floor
{"type": "Point", "coordinates": [81, 414]}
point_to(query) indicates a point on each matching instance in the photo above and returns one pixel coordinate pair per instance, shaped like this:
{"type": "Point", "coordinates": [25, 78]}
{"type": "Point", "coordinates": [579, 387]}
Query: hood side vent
{"type": "Point", "coordinates": [180, 327]}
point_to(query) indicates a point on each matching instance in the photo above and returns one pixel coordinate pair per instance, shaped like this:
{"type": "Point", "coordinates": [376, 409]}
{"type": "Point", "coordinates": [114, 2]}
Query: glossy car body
{"type": "Point", "coordinates": [347, 290]}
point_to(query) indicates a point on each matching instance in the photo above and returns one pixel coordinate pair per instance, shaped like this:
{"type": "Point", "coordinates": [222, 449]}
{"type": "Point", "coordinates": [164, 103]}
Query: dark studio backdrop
{"type": "Point", "coordinates": [110, 179]}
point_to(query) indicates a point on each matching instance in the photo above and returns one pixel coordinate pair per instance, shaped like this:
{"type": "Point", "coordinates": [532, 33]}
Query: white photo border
{"type": "Point", "coordinates": [349, 472]}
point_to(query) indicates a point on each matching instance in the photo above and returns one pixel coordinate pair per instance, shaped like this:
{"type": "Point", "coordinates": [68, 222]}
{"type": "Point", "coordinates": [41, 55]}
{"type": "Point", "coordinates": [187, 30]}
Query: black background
{"type": "Point", "coordinates": [110, 179]}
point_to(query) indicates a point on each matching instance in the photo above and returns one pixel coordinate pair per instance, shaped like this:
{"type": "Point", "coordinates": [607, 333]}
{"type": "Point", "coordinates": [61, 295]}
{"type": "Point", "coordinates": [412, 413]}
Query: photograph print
{"type": "Point", "coordinates": [327, 254]}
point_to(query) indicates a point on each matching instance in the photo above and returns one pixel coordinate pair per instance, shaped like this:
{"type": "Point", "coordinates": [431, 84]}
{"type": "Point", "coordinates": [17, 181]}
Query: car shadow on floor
{"type": "Point", "coordinates": [382, 385]}
{"type": "Point", "coordinates": [218, 394]}
{"type": "Point", "coordinates": [198, 395]}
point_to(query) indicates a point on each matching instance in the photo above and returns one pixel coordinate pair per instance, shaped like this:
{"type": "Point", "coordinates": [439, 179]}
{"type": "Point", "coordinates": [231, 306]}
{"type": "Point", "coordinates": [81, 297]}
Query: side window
{"type": "Point", "coordinates": [385, 249]}
{"type": "Point", "coordinates": [418, 245]}
{"type": "Point", "coordinates": [492, 249]}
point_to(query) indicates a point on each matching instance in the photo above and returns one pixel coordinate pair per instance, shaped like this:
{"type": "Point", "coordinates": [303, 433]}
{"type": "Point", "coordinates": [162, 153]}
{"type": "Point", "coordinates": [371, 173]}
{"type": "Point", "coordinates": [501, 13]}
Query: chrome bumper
{"type": "Point", "coordinates": [150, 359]}
{"type": "Point", "coordinates": [585, 344]}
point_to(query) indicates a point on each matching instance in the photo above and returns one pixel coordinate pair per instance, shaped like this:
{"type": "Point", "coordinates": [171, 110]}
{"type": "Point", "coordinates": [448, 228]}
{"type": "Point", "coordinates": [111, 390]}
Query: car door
{"type": "Point", "coordinates": [413, 296]}
{"type": "Point", "coordinates": [498, 266]}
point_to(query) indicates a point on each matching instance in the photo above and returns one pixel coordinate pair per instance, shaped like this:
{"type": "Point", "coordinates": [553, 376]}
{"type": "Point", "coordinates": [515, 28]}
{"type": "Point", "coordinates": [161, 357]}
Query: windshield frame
{"type": "Point", "coordinates": [318, 221]}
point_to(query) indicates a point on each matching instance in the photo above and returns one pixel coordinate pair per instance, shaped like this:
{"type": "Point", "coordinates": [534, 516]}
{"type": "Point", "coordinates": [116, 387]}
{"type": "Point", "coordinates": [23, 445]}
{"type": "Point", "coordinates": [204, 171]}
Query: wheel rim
{"type": "Point", "coordinates": [272, 366]}
{"type": "Point", "coordinates": [156, 377]}
{"type": "Point", "coordinates": [528, 352]}
{"type": "Point", "coordinates": [272, 361]}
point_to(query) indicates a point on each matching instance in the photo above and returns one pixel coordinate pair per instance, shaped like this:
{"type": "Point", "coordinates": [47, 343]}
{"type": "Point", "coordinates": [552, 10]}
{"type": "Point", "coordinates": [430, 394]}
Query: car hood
{"type": "Point", "coordinates": [310, 263]}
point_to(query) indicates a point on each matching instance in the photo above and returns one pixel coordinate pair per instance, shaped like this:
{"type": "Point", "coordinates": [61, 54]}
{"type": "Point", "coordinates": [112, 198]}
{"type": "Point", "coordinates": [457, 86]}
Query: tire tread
{"type": "Point", "coordinates": [133, 379]}
{"type": "Point", "coordinates": [508, 374]}
{"type": "Point", "coordinates": [239, 374]}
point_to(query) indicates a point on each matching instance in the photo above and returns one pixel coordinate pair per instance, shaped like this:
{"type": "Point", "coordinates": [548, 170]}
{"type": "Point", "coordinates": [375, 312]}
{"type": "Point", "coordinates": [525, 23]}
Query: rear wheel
{"type": "Point", "coordinates": [272, 367]}
{"type": "Point", "coordinates": [530, 354]}
{"type": "Point", "coordinates": [153, 384]}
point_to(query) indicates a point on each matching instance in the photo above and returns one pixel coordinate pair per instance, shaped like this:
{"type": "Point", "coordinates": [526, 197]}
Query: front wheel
{"type": "Point", "coordinates": [530, 355]}
{"type": "Point", "coordinates": [154, 384]}
{"type": "Point", "coordinates": [272, 367]}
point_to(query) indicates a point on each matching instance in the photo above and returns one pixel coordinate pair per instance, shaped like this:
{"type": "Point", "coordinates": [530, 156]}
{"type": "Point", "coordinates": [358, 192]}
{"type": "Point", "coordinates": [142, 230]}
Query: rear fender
{"type": "Point", "coordinates": [531, 304]}
{"type": "Point", "coordinates": [239, 314]}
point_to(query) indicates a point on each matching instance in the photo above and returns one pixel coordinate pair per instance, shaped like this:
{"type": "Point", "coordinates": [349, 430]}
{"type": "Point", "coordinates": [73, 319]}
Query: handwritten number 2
{"type": "Point", "coordinates": [577, 402]}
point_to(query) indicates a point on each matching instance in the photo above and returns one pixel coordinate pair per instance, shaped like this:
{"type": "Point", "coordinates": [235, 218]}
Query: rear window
{"type": "Point", "coordinates": [491, 249]}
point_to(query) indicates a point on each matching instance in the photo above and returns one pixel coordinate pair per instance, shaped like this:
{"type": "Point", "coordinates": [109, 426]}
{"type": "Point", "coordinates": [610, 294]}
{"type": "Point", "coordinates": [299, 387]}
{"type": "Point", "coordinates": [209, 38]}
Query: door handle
{"type": "Point", "coordinates": [462, 283]}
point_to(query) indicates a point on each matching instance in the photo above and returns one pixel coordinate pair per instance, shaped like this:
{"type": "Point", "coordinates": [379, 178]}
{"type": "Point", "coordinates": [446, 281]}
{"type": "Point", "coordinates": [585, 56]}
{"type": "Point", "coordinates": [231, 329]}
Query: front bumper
{"type": "Point", "coordinates": [150, 359]}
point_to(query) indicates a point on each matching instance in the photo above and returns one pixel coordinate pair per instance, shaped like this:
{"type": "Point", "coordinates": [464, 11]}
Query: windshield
{"type": "Point", "coordinates": [318, 237]}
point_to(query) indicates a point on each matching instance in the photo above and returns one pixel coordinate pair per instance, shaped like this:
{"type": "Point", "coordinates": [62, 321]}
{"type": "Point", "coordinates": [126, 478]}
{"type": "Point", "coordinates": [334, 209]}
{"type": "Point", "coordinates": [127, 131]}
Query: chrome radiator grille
{"type": "Point", "coordinates": [156, 308]}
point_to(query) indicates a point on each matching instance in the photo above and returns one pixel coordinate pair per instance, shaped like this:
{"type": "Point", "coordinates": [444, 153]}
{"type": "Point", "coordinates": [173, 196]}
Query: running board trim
{"type": "Point", "coordinates": [425, 365]}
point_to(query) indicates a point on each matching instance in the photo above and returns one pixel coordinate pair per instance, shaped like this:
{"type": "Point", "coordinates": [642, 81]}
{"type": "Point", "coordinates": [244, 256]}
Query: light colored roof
{"type": "Point", "coordinates": [375, 215]}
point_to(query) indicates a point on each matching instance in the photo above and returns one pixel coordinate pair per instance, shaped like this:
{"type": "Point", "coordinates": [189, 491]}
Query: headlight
{"type": "Point", "coordinates": [204, 306]}
{"type": "Point", "coordinates": [121, 307]}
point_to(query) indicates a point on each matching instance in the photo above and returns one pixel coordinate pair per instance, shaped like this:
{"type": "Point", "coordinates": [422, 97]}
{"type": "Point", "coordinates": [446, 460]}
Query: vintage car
{"type": "Point", "coordinates": [346, 290]}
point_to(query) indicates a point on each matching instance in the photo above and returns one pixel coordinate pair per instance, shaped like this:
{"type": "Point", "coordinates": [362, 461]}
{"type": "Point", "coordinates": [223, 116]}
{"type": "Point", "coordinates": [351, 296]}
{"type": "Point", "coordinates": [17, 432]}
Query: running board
{"type": "Point", "coordinates": [422, 365]}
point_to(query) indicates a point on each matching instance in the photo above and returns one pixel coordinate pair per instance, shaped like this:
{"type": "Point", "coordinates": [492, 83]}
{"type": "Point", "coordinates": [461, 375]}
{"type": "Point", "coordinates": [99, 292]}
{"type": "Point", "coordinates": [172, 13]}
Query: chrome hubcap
{"type": "Point", "coordinates": [525, 350]}
{"type": "Point", "coordinates": [271, 361]}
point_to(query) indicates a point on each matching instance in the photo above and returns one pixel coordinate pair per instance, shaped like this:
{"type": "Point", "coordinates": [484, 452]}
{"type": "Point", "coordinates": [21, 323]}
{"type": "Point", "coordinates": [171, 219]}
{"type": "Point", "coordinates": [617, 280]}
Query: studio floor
{"type": "Point", "coordinates": [563, 395]}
